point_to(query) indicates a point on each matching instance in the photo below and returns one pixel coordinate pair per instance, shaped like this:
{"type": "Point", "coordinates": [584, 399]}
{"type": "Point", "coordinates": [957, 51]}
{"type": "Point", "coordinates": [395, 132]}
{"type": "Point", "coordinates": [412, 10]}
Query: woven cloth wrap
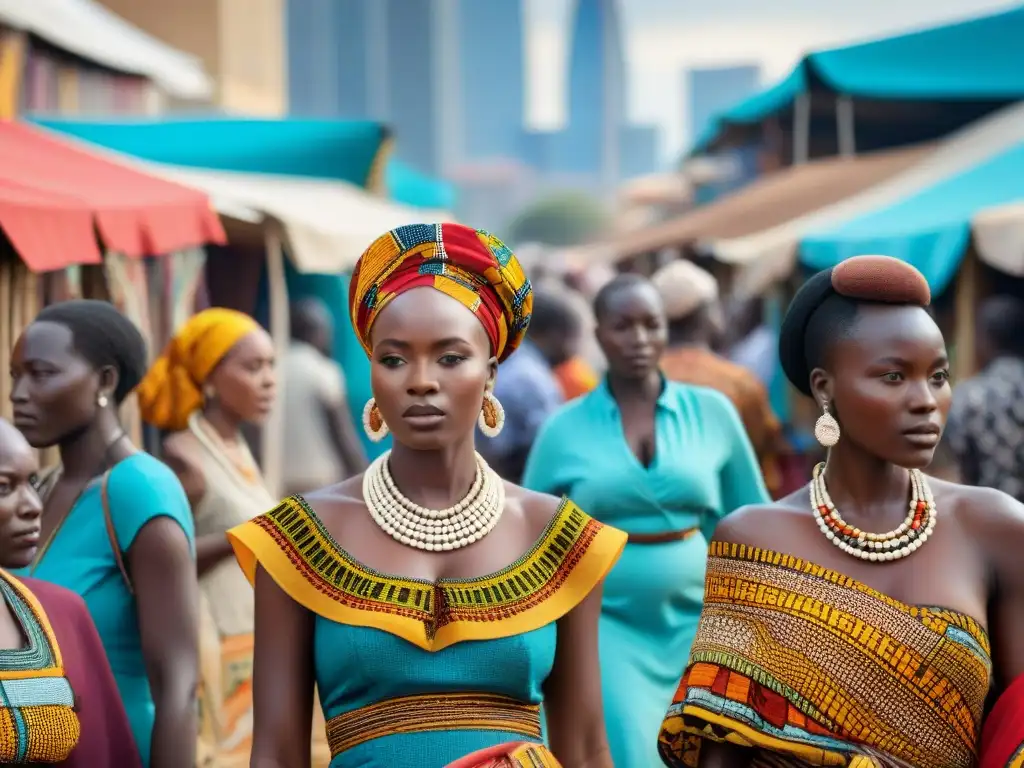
{"type": "Point", "coordinates": [172, 389]}
{"type": "Point", "coordinates": [472, 266]}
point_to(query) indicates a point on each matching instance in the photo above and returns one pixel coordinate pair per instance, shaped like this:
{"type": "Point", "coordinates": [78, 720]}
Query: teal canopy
{"type": "Point", "coordinates": [980, 59]}
{"type": "Point", "coordinates": [410, 187]}
{"type": "Point", "coordinates": [342, 150]}
{"type": "Point", "coordinates": [931, 229]}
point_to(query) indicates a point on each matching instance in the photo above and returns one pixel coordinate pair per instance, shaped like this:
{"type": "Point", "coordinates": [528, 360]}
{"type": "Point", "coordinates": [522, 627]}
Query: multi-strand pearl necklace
{"type": "Point", "coordinates": [897, 543]}
{"type": "Point", "coordinates": [434, 530]}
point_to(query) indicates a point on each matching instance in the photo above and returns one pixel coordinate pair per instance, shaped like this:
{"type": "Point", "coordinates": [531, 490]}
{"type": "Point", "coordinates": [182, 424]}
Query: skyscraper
{"type": "Point", "coordinates": [492, 73]}
{"type": "Point", "coordinates": [596, 90]}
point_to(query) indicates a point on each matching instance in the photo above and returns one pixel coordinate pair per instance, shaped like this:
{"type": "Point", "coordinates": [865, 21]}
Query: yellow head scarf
{"type": "Point", "coordinates": [172, 389]}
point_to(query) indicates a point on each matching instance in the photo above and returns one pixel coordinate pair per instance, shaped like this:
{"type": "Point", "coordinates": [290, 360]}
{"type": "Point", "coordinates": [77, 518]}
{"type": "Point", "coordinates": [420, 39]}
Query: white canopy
{"type": "Point", "coordinates": [770, 255]}
{"type": "Point", "coordinates": [999, 237]}
{"type": "Point", "coordinates": [328, 224]}
{"type": "Point", "coordinates": [87, 29]}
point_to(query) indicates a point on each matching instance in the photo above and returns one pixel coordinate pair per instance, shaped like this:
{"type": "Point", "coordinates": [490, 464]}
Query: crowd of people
{"type": "Point", "coordinates": [563, 558]}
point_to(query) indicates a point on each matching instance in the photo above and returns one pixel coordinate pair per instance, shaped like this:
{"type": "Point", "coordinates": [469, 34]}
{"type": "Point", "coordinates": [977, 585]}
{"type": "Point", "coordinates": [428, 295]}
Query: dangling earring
{"type": "Point", "coordinates": [826, 428]}
{"type": "Point", "coordinates": [492, 415]}
{"type": "Point", "coordinates": [373, 422]}
{"type": "Point", "coordinates": [102, 401]}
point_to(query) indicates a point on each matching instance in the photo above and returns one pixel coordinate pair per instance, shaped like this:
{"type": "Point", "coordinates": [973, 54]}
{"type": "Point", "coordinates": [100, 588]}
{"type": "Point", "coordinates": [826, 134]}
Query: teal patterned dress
{"type": "Point", "coordinates": [413, 674]}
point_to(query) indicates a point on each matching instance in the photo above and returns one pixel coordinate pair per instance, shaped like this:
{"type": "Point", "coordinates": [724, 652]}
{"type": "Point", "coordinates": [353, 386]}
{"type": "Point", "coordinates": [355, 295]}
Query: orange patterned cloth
{"type": "Point", "coordinates": [696, 365]}
{"type": "Point", "coordinates": [470, 265]}
{"type": "Point", "coordinates": [575, 377]}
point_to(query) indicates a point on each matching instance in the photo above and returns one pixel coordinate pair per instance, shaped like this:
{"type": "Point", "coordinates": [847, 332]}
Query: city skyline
{"type": "Point", "coordinates": [663, 38]}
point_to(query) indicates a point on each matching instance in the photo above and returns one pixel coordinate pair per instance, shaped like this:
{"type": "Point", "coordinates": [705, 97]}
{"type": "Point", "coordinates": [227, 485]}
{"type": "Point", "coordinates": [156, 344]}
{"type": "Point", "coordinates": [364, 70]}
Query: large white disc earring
{"type": "Point", "coordinates": [373, 422]}
{"type": "Point", "coordinates": [102, 401]}
{"type": "Point", "coordinates": [492, 416]}
{"type": "Point", "coordinates": [826, 428]}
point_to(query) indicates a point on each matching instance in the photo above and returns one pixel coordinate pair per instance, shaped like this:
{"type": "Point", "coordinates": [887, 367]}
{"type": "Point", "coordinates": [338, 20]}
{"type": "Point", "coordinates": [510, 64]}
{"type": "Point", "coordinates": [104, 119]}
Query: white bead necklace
{"type": "Point", "coordinates": [901, 541]}
{"type": "Point", "coordinates": [434, 530]}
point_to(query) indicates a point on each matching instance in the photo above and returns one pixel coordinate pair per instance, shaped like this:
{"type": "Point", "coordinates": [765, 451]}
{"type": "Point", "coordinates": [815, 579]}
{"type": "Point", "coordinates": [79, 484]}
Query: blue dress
{"type": "Point", "coordinates": [704, 467]}
{"type": "Point", "coordinates": [79, 557]}
{"type": "Point", "coordinates": [413, 674]}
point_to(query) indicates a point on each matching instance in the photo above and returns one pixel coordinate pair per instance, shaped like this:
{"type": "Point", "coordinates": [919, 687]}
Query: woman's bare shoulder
{"type": "Point", "coordinates": [536, 509]}
{"type": "Point", "coordinates": [994, 518]}
{"type": "Point", "coordinates": [767, 526]}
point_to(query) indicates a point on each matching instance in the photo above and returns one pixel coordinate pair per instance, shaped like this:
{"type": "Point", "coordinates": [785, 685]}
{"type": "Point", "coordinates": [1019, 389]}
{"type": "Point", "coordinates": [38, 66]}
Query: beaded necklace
{"type": "Point", "coordinates": [897, 543]}
{"type": "Point", "coordinates": [434, 530]}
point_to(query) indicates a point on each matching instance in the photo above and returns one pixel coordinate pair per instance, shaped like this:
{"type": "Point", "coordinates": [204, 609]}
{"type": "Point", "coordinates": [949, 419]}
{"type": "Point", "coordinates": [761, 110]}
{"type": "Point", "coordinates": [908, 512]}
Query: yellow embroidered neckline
{"type": "Point", "coordinates": [572, 556]}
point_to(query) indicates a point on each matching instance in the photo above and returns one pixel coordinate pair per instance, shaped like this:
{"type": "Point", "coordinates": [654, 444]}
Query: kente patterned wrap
{"type": "Point", "coordinates": [572, 556]}
{"type": "Point", "coordinates": [472, 266]}
{"type": "Point", "coordinates": [810, 667]}
{"type": "Point", "coordinates": [38, 723]}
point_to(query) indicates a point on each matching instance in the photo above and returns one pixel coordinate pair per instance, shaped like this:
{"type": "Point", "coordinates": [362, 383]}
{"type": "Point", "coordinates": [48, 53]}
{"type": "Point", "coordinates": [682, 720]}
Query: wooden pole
{"type": "Point", "coordinates": [846, 126]}
{"type": "Point", "coordinates": [801, 128]}
{"type": "Point", "coordinates": [273, 434]}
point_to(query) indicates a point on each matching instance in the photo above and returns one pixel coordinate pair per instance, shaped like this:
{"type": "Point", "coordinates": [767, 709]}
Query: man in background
{"type": "Point", "coordinates": [985, 429]}
{"type": "Point", "coordinates": [527, 387]}
{"type": "Point", "coordinates": [321, 444]}
{"type": "Point", "coordinates": [690, 297]}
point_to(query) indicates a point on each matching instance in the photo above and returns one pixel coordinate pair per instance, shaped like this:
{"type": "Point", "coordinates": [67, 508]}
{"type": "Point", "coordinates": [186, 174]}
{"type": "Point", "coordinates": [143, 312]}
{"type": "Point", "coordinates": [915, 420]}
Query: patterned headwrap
{"type": "Point", "coordinates": [172, 389]}
{"type": "Point", "coordinates": [470, 265]}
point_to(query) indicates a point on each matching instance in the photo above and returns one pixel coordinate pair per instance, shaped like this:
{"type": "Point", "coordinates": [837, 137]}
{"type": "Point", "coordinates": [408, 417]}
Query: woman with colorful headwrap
{"type": "Point", "coordinates": [216, 374]}
{"type": "Point", "coordinates": [435, 606]}
{"type": "Point", "coordinates": [856, 632]}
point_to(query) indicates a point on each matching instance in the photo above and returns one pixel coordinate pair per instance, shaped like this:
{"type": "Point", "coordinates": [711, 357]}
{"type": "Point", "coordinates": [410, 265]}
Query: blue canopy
{"type": "Point", "coordinates": [409, 186]}
{"type": "Point", "coordinates": [980, 59]}
{"type": "Point", "coordinates": [931, 229]}
{"type": "Point", "coordinates": [343, 150]}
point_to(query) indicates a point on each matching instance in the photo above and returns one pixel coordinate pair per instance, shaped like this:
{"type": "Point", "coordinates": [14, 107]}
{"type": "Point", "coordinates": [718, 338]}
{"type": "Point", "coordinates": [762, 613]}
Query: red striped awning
{"type": "Point", "coordinates": [56, 198]}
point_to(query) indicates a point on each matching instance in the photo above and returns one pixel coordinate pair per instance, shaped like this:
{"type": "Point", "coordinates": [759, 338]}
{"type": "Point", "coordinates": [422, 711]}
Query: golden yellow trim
{"type": "Point", "coordinates": [254, 545]}
{"type": "Point", "coordinates": [433, 712]}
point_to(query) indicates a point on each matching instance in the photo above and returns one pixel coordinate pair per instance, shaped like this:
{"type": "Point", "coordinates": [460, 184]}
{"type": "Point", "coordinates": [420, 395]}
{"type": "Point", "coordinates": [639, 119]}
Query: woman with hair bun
{"type": "Point", "coordinates": [855, 630]}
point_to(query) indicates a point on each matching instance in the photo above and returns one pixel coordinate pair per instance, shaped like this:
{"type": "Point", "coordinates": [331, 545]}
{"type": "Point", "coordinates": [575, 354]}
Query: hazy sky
{"type": "Point", "coordinates": [664, 37]}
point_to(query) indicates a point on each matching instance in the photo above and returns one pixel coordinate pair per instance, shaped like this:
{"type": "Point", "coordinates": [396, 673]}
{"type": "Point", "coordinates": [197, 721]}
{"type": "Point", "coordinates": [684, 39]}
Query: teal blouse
{"type": "Point", "coordinates": [80, 558]}
{"type": "Point", "coordinates": [703, 469]}
{"type": "Point", "coordinates": [704, 465]}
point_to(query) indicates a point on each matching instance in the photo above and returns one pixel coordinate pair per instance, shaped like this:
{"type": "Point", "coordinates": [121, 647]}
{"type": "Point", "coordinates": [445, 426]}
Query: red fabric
{"type": "Point", "coordinates": [106, 738]}
{"type": "Point", "coordinates": [1003, 736]}
{"type": "Point", "coordinates": [56, 197]}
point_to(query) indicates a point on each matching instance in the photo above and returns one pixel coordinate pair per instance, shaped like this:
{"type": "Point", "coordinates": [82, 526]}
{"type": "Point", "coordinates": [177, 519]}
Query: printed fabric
{"type": "Point", "coordinates": [472, 266]}
{"type": "Point", "coordinates": [811, 668]}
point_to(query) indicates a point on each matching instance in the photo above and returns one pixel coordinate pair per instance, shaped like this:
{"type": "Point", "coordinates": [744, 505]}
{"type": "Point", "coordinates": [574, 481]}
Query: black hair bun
{"type": "Point", "coordinates": [880, 279]}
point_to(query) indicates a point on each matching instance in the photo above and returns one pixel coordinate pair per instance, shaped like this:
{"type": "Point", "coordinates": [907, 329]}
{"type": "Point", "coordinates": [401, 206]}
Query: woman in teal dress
{"type": "Point", "coordinates": [663, 461]}
{"type": "Point", "coordinates": [116, 525]}
{"type": "Point", "coordinates": [434, 606]}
